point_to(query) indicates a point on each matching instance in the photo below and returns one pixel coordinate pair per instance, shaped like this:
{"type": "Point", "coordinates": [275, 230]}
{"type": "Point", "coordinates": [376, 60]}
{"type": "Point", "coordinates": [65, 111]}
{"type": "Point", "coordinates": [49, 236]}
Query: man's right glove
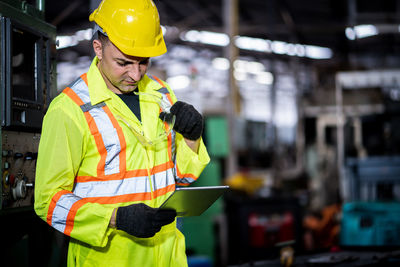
{"type": "Point", "coordinates": [143, 221]}
{"type": "Point", "coordinates": [189, 121]}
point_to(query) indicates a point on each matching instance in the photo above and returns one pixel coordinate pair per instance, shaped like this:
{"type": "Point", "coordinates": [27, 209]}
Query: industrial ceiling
{"type": "Point", "coordinates": [322, 23]}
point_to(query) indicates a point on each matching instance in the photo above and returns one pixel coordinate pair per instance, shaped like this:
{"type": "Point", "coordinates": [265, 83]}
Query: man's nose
{"type": "Point", "coordinates": [134, 72]}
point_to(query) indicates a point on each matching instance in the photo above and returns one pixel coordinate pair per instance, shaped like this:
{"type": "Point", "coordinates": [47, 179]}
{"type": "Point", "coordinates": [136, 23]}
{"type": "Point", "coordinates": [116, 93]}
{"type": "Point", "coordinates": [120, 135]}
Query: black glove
{"type": "Point", "coordinates": [188, 122]}
{"type": "Point", "coordinates": [143, 221]}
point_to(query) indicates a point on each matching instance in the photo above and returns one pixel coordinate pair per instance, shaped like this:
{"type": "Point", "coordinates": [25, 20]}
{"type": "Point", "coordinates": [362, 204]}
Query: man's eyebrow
{"type": "Point", "coordinates": [123, 60]}
{"type": "Point", "coordinates": [130, 62]}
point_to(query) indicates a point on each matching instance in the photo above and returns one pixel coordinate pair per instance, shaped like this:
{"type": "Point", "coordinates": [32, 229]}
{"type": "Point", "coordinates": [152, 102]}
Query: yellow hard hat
{"type": "Point", "coordinates": [132, 25]}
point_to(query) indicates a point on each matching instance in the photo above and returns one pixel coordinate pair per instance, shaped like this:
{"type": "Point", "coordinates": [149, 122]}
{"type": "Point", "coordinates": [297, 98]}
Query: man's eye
{"type": "Point", "coordinates": [144, 62]}
{"type": "Point", "coordinates": [121, 64]}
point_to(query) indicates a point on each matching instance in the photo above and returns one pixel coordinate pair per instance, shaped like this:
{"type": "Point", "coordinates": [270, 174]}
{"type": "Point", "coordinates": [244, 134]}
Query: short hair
{"type": "Point", "coordinates": [104, 40]}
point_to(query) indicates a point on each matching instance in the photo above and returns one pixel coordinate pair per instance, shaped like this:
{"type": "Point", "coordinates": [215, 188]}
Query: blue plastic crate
{"type": "Point", "coordinates": [370, 224]}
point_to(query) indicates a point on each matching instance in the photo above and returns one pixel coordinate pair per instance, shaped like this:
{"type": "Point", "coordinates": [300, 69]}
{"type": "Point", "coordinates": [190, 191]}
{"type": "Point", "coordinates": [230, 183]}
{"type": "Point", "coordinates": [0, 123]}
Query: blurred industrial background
{"type": "Point", "coordinates": [301, 101]}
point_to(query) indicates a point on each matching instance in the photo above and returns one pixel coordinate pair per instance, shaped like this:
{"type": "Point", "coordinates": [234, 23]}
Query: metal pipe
{"type": "Point", "coordinates": [339, 128]}
{"type": "Point", "coordinates": [40, 5]}
{"type": "Point", "coordinates": [231, 21]}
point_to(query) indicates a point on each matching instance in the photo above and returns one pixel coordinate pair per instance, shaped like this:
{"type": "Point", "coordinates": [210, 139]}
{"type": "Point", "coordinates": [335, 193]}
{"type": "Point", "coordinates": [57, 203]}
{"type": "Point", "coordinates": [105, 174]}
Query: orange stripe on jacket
{"type": "Point", "coordinates": [69, 224]}
{"type": "Point", "coordinates": [185, 175]}
{"type": "Point", "coordinates": [84, 78]}
{"type": "Point", "coordinates": [69, 92]}
{"type": "Point", "coordinates": [99, 143]}
{"type": "Point", "coordinates": [111, 200]}
{"type": "Point", "coordinates": [53, 204]}
{"type": "Point", "coordinates": [121, 137]}
{"type": "Point", "coordinates": [159, 81]}
{"type": "Point", "coordinates": [131, 197]}
{"type": "Point", "coordinates": [129, 174]}
{"type": "Point", "coordinates": [93, 130]}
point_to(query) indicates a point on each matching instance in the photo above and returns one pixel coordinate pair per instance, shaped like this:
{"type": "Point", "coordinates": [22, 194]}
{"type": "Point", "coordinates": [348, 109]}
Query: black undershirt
{"type": "Point", "coordinates": [132, 101]}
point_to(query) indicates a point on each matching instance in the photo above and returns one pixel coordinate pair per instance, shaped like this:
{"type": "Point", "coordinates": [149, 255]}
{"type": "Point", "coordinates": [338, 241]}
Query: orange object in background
{"type": "Point", "coordinates": [322, 232]}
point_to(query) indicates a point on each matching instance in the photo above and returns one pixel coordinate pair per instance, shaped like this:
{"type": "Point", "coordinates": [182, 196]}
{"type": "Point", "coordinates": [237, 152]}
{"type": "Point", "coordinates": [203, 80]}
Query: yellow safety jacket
{"type": "Point", "coordinates": [90, 162]}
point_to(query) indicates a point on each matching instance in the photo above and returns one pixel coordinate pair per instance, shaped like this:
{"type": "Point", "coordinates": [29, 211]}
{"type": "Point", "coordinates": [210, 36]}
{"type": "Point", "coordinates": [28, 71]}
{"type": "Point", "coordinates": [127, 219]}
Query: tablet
{"type": "Point", "coordinates": [193, 201]}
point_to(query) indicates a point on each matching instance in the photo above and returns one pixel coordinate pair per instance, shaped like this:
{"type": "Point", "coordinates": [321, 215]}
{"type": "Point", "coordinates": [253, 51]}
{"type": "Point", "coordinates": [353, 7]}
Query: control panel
{"type": "Point", "coordinates": [19, 154]}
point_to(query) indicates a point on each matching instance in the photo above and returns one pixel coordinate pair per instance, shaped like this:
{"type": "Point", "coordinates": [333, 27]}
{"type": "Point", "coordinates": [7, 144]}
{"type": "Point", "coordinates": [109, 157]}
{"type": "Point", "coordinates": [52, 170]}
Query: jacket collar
{"type": "Point", "coordinates": [98, 90]}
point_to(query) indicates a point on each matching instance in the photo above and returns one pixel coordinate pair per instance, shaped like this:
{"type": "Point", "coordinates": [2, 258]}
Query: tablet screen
{"type": "Point", "coordinates": [193, 201]}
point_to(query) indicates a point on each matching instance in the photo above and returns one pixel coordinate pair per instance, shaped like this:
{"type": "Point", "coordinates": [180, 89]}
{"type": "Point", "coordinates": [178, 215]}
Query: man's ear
{"type": "Point", "coordinates": [98, 49]}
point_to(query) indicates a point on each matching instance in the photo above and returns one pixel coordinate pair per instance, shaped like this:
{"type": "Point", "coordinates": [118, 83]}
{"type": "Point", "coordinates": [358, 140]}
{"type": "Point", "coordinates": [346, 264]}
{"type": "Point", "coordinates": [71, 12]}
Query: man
{"type": "Point", "coordinates": [107, 156]}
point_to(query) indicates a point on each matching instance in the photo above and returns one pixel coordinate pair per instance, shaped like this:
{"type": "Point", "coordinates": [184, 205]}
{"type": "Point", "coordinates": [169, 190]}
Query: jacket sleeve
{"type": "Point", "coordinates": [61, 149]}
{"type": "Point", "coordinates": [188, 164]}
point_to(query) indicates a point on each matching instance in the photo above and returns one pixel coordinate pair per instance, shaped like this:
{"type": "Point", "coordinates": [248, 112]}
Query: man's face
{"type": "Point", "coordinates": [121, 72]}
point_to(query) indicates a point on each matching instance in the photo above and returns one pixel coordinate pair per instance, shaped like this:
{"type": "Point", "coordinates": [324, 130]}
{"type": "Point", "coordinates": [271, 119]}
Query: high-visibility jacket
{"type": "Point", "coordinates": [90, 162]}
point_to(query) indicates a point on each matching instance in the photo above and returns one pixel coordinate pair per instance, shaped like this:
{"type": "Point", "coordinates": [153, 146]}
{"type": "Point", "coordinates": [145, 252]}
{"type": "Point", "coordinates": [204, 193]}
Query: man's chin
{"type": "Point", "coordinates": [126, 89]}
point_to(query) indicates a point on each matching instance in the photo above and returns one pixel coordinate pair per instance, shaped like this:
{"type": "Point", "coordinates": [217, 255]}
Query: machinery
{"type": "Point", "coordinates": [27, 82]}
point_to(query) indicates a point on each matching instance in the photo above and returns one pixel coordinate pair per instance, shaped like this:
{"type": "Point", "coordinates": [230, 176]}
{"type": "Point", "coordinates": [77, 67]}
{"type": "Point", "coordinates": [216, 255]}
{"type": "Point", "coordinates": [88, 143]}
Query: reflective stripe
{"type": "Point", "coordinates": [128, 174]}
{"type": "Point", "coordinates": [61, 210]}
{"type": "Point", "coordinates": [164, 91]}
{"type": "Point", "coordinates": [69, 225]}
{"type": "Point", "coordinates": [132, 197]}
{"type": "Point", "coordinates": [110, 188]}
{"type": "Point", "coordinates": [156, 79]}
{"type": "Point", "coordinates": [110, 136]}
{"type": "Point", "coordinates": [184, 179]}
{"type": "Point", "coordinates": [53, 204]}
{"type": "Point", "coordinates": [101, 121]}
{"type": "Point", "coordinates": [166, 97]}
{"type": "Point", "coordinates": [81, 89]}
{"type": "Point", "coordinates": [89, 106]}
{"type": "Point", "coordinates": [181, 179]}
{"type": "Point", "coordinates": [161, 180]}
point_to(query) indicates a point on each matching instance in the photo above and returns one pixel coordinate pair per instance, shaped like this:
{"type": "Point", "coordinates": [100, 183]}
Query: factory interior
{"type": "Point", "coordinates": [301, 107]}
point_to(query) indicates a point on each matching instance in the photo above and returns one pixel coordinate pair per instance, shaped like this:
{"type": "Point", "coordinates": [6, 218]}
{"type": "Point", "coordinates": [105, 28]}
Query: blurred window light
{"type": "Point", "coordinates": [84, 34]}
{"type": "Point", "coordinates": [170, 31]}
{"type": "Point", "coordinates": [265, 77]}
{"type": "Point", "coordinates": [255, 44]}
{"type": "Point", "coordinates": [350, 34]}
{"type": "Point", "coordinates": [286, 116]}
{"type": "Point", "coordinates": [240, 75]}
{"type": "Point", "coordinates": [254, 67]}
{"type": "Point", "coordinates": [220, 63]}
{"type": "Point", "coordinates": [279, 47]}
{"type": "Point", "coordinates": [361, 31]}
{"type": "Point", "coordinates": [206, 37]}
{"type": "Point", "coordinates": [291, 49]}
{"type": "Point", "coordinates": [240, 65]}
{"type": "Point", "coordinates": [300, 50]}
{"type": "Point", "coordinates": [179, 82]}
{"type": "Point", "coordinates": [64, 41]}
{"type": "Point", "coordinates": [318, 52]}
{"type": "Point", "coordinates": [395, 94]}
{"type": "Point", "coordinates": [248, 66]}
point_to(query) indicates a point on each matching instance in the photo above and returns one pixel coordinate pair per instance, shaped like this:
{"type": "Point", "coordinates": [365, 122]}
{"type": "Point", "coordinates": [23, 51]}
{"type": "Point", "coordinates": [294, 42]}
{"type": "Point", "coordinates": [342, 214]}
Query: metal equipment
{"type": "Point", "coordinates": [27, 82]}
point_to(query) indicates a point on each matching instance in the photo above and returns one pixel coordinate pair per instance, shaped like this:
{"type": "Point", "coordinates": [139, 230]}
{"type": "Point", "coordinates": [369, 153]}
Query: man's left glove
{"type": "Point", "coordinates": [188, 122]}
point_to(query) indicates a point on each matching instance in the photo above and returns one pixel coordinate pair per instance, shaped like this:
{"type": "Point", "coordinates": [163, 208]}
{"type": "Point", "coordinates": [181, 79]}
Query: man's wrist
{"type": "Point", "coordinates": [113, 220]}
{"type": "Point", "coordinates": [193, 144]}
